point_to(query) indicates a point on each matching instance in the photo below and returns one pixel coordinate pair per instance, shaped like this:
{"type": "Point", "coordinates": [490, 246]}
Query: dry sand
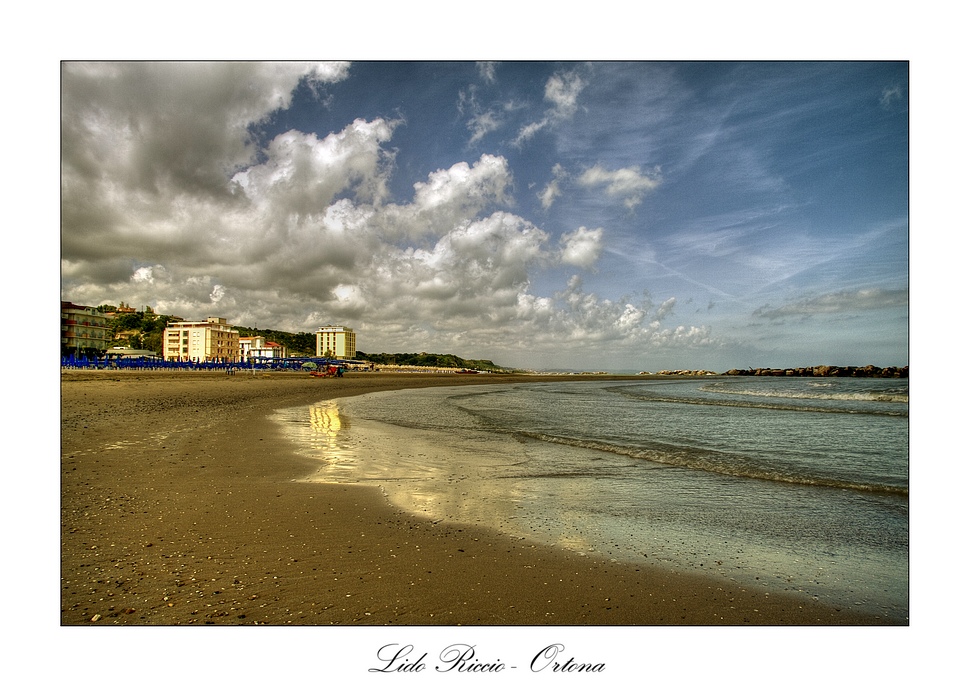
{"type": "Point", "coordinates": [182, 503]}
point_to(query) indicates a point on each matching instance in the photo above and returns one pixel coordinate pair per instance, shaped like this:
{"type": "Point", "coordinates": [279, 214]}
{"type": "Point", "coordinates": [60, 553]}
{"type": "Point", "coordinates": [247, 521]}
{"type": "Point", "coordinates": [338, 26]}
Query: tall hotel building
{"type": "Point", "coordinates": [211, 340]}
{"type": "Point", "coordinates": [341, 342]}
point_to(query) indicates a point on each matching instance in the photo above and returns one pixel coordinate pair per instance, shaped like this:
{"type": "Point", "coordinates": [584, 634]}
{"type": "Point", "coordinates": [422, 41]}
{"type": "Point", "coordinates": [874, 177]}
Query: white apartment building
{"type": "Point", "coordinates": [259, 347]}
{"type": "Point", "coordinates": [211, 340]}
{"type": "Point", "coordinates": [340, 342]}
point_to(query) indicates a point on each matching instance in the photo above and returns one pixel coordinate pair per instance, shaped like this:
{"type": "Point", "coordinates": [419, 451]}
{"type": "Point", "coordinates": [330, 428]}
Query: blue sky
{"type": "Point", "coordinates": [592, 215]}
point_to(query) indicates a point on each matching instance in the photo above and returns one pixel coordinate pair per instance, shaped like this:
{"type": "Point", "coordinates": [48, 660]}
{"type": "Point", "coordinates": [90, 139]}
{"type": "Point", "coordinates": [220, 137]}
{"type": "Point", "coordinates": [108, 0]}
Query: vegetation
{"type": "Point", "coordinates": [429, 360]}
{"type": "Point", "coordinates": [297, 345]}
{"type": "Point", "coordinates": [142, 330]}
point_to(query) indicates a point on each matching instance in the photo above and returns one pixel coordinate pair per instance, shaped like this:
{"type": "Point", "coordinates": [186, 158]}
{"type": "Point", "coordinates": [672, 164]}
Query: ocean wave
{"type": "Point", "coordinates": [881, 396]}
{"type": "Point", "coordinates": [767, 405]}
{"type": "Point", "coordinates": [715, 462]}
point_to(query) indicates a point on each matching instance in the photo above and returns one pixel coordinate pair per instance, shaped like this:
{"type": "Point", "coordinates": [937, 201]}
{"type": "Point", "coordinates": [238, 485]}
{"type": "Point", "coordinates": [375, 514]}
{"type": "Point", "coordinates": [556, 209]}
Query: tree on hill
{"type": "Point", "coordinates": [302, 344]}
{"type": "Point", "coordinates": [137, 329]}
{"type": "Point", "coordinates": [428, 360]}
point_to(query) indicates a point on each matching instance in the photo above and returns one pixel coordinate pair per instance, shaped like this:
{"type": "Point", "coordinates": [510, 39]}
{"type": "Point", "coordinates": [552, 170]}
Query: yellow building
{"type": "Point", "coordinates": [211, 340]}
{"type": "Point", "coordinates": [339, 342]}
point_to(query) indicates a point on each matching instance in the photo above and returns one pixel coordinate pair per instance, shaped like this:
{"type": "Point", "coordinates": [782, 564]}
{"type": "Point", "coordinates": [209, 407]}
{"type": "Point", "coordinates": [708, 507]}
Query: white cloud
{"type": "Point", "coordinates": [666, 308]}
{"type": "Point", "coordinates": [303, 174]}
{"type": "Point", "coordinates": [890, 96]}
{"type": "Point", "coordinates": [185, 127]}
{"type": "Point", "coordinates": [144, 274]}
{"type": "Point", "coordinates": [463, 185]}
{"type": "Point", "coordinates": [218, 293]}
{"type": "Point", "coordinates": [838, 303]}
{"type": "Point", "coordinates": [486, 70]}
{"type": "Point", "coordinates": [530, 130]}
{"type": "Point", "coordinates": [482, 125]}
{"type": "Point", "coordinates": [552, 191]}
{"type": "Point", "coordinates": [451, 196]}
{"type": "Point", "coordinates": [168, 201]}
{"type": "Point", "coordinates": [547, 196]}
{"type": "Point", "coordinates": [628, 183]}
{"type": "Point", "coordinates": [482, 121]}
{"type": "Point", "coordinates": [631, 318]}
{"type": "Point", "coordinates": [582, 247]}
{"type": "Point", "coordinates": [562, 91]}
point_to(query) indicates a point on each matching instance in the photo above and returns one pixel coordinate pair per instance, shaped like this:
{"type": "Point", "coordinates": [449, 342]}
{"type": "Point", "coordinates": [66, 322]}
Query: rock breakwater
{"type": "Point", "coordinates": [816, 371]}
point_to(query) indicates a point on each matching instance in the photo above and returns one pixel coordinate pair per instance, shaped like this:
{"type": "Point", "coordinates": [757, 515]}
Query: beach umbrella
{"type": "Point", "coordinates": [309, 366]}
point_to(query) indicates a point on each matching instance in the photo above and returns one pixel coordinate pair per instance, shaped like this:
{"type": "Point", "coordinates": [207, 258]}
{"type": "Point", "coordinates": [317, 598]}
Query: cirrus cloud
{"type": "Point", "coordinates": [838, 303]}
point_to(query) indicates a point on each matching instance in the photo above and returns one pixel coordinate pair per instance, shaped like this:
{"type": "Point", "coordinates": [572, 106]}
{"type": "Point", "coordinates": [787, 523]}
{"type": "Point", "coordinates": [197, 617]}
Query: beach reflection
{"type": "Point", "coordinates": [325, 419]}
{"type": "Point", "coordinates": [324, 436]}
{"type": "Point", "coordinates": [480, 479]}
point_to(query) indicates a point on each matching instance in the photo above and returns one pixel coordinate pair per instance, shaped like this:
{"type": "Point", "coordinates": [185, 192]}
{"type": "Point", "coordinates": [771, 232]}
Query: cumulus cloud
{"type": "Point", "coordinates": [838, 303]}
{"type": "Point", "coordinates": [303, 175]}
{"type": "Point", "coordinates": [449, 197]}
{"type": "Point", "coordinates": [464, 188]}
{"type": "Point", "coordinates": [584, 319]}
{"type": "Point", "coordinates": [582, 247]}
{"type": "Point", "coordinates": [628, 183]}
{"type": "Point", "coordinates": [184, 128]}
{"type": "Point", "coordinates": [171, 200]}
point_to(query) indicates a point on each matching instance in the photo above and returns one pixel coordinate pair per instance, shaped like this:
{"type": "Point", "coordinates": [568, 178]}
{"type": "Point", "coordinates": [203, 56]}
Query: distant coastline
{"type": "Point", "coordinates": [816, 371]}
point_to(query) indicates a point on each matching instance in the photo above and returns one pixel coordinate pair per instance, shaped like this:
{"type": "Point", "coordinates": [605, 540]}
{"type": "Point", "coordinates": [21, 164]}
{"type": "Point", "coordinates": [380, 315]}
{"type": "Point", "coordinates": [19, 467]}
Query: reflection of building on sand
{"type": "Point", "coordinates": [325, 419]}
{"type": "Point", "coordinates": [426, 474]}
{"type": "Point", "coordinates": [325, 427]}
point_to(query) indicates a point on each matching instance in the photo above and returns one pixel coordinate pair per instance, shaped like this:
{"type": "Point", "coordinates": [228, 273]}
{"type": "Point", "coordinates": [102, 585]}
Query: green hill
{"type": "Point", "coordinates": [142, 330]}
{"type": "Point", "coordinates": [429, 360]}
{"type": "Point", "coordinates": [297, 345]}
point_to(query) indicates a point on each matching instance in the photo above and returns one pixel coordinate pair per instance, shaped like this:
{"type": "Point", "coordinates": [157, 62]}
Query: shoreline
{"type": "Point", "coordinates": [183, 503]}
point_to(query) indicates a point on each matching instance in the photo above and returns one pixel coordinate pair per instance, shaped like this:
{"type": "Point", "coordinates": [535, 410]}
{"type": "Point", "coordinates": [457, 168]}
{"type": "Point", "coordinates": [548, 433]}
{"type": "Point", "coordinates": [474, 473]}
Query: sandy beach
{"type": "Point", "coordinates": [183, 504]}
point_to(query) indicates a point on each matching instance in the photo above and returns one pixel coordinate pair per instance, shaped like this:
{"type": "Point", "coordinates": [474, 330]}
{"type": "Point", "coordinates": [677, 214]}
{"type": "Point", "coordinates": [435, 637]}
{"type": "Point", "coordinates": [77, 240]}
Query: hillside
{"type": "Point", "coordinates": [141, 330]}
{"type": "Point", "coordinates": [429, 360]}
{"type": "Point", "coordinates": [298, 345]}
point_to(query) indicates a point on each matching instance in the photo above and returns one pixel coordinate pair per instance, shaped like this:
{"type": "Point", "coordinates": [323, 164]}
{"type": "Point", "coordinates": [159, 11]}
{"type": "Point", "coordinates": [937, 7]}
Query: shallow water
{"type": "Point", "coordinates": [795, 484]}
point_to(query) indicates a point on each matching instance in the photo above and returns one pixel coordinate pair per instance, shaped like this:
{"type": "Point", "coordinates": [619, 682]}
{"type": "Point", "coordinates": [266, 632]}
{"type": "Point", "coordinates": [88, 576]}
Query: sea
{"type": "Point", "coordinates": [782, 483]}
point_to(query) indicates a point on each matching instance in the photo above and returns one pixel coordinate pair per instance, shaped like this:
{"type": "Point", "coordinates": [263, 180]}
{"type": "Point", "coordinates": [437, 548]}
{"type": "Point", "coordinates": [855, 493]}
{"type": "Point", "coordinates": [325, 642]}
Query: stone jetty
{"type": "Point", "coordinates": [816, 371]}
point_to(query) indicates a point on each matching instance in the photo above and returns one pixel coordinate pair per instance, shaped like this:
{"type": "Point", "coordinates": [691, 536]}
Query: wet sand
{"type": "Point", "coordinates": [183, 504]}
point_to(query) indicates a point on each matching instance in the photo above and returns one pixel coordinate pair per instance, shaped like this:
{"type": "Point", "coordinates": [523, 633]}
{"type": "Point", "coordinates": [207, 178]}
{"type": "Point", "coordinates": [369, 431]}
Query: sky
{"type": "Point", "coordinates": [593, 215]}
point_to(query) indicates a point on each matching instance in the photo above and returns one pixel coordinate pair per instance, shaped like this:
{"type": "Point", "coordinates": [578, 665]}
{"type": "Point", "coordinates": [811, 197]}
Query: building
{"type": "Point", "coordinates": [337, 342]}
{"type": "Point", "coordinates": [259, 347]}
{"type": "Point", "coordinates": [209, 340]}
{"type": "Point", "coordinates": [84, 329]}
{"type": "Point", "coordinates": [129, 353]}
